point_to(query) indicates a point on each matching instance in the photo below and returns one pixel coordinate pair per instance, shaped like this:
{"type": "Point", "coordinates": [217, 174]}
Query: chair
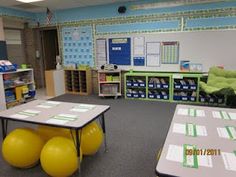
{"type": "Point", "coordinates": [220, 82]}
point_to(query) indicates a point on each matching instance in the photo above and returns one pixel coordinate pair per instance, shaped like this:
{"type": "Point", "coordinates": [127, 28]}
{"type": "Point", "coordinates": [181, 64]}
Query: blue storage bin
{"type": "Point", "coordinates": [129, 95]}
{"type": "Point", "coordinates": [192, 98]}
{"type": "Point", "coordinates": [176, 97]}
{"type": "Point", "coordinates": [211, 100]}
{"type": "Point", "coordinates": [152, 96]}
{"type": "Point", "coordinates": [184, 98]}
{"type": "Point", "coordinates": [150, 85]}
{"type": "Point", "coordinates": [142, 84]}
{"type": "Point", "coordinates": [165, 86]}
{"type": "Point", "coordinates": [32, 93]}
{"type": "Point", "coordinates": [185, 87]}
{"type": "Point", "coordinates": [135, 95]}
{"type": "Point", "coordinates": [142, 95]}
{"type": "Point", "coordinates": [203, 100]}
{"type": "Point", "coordinates": [158, 96]}
{"type": "Point", "coordinates": [177, 86]}
{"type": "Point", "coordinates": [128, 83]}
{"type": "Point", "coordinates": [158, 85]}
{"type": "Point", "coordinates": [135, 84]}
{"type": "Point", "coordinates": [165, 97]}
{"type": "Point", "coordinates": [193, 87]}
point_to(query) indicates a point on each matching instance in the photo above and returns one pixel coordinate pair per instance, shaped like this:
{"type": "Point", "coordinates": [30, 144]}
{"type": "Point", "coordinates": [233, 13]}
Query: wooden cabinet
{"type": "Point", "coordinates": [16, 87]}
{"type": "Point", "coordinates": [55, 82]}
{"type": "Point", "coordinates": [78, 81]}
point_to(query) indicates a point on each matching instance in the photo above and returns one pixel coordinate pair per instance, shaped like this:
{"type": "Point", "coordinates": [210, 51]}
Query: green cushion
{"type": "Point", "coordinates": [220, 80]}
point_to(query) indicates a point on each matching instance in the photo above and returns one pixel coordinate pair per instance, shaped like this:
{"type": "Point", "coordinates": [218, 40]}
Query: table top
{"type": "Point", "coordinates": [63, 114]}
{"type": "Point", "coordinates": [209, 134]}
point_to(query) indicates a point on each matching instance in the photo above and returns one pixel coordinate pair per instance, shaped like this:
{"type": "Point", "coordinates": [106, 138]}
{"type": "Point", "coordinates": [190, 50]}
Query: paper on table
{"type": "Point", "coordinates": [201, 130]}
{"type": "Point", "coordinates": [79, 110]}
{"type": "Point", "coordinates": [232, 115]}
{"type": "Point", "coordinates": [182, 111]}
{"type": "Point", "coordinates": [204, 160]}
{"type": "Point", "coordinates": [20, 116]}
{"type": "Point", "coordinates": [44, 106]}
{"type": "Point", "coordinates": [179, 128]}
{"type": "Point", "coordinates": [32, 111]}
{"type": "Point", "coordinates": [221, 115]}
{"type": "Point", "coordinates": [232, 132]}
{"type": "Point", "coordinates": [175, 153]}
{"type": "Point", "coordinates": [216, 114]}
{"type": "Point", "coordinates": [57, 121]}
{"type": "Point", "coordinates": [229, 160]}
{"type": "Point", "coordinates": [53, 102]}
{"type": "Point", "coordinates": [222, 132]}
{"type": "Point", "coordinates": [86, 106]}
{"type": "Point", "coordinates": [192, 112]}
{"type": "Point", "coordinates": [200, 113]}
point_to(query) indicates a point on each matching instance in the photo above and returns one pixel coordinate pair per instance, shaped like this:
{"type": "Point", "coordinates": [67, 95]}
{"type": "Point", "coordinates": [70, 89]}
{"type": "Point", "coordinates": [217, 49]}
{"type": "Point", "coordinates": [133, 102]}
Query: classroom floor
{"type": "Point", "coordinates": [135, 132]}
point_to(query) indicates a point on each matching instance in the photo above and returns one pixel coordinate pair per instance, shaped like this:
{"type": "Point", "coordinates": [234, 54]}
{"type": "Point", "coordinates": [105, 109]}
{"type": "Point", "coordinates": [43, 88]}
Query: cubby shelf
{"type": "Point", "coordinates": [78, 81]}
{"type": "Point", "coordinates": [178, 87]}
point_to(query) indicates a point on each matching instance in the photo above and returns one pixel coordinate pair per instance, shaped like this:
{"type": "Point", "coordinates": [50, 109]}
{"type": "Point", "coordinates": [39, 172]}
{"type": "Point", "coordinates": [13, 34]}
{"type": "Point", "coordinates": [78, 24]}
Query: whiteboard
{"type": "Point", "coordinates": [210, 48]}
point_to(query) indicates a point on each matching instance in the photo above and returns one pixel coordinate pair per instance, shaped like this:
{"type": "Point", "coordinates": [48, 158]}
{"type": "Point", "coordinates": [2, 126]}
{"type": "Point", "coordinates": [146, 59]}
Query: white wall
{"type": "Point", "coordinates": [210, 48]}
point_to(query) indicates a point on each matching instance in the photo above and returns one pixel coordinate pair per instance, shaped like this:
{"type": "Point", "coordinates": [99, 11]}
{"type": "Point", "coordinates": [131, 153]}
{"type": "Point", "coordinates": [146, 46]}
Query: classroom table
{"type": "Point", "coordinates": [73, 116]}
{"type": "Point", "coordinates": [201, 141]}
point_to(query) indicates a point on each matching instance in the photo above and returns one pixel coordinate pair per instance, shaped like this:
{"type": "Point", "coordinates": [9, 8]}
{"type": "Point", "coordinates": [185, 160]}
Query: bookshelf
{"type": "Point", "coordinates": [162, 86]}
{"type": "Point", "coordinates": [109, 83]}
{"type": "Point", "coordinates": [16, 87]}
{"type": "Point", "coordinates": [78, 81]}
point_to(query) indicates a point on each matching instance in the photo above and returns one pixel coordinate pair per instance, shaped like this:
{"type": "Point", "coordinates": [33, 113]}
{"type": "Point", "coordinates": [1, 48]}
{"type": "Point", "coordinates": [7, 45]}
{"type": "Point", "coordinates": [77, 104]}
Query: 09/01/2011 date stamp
{"type": "Point", "coordinates": [213, 152]}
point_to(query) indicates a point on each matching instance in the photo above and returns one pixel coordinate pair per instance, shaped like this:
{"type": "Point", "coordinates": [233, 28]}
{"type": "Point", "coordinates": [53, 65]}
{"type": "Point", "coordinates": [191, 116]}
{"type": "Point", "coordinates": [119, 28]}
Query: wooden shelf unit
{"type": "Point", "coordinates": [78, 81]}
{"type": "Point", "coordinates": [109, 83]}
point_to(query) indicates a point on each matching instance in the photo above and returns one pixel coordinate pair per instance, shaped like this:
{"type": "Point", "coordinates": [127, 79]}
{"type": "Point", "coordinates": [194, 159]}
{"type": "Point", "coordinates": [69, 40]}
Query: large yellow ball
{"type": "Point", "coordinates": [48, 132]}
{"type": "Point", "coordinates": [22, 147]}
{"type": "Point", "coordinates": [59, 157]}
{"type": "Point", "coordinates": [91, 138]}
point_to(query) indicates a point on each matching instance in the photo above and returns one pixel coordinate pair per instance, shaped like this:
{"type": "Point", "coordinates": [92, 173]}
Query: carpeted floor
{"type": "Point", "coordinates": [135, 131]}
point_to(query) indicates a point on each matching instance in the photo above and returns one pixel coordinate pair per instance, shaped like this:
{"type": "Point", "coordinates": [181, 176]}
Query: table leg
{"type": "Point", "coordinates": [4, 128]}
{"type": "Point", "coordinates": [77, 139]}
{"type": "Point", "coordinates": [104, 131]}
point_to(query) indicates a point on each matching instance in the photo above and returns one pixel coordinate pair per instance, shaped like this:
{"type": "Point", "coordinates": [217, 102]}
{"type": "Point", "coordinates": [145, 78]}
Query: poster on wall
{"type": "Point", "coordinates": [170, 52]}
{"type": "Point", "coordinates": [153, 53]}
{"type": "Point", "coordinates": [101, 54]}
{"type": "Point", "coordinates": [120, 51]}
{"type": "Point", "coordinates": [77, 46]}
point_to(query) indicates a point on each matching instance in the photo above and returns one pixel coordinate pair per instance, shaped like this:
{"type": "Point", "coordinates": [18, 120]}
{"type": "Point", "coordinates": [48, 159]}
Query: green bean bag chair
{"type": "Point", "coordinates": [220, 81]}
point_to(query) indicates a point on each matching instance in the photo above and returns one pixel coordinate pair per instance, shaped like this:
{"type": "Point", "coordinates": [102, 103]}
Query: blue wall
{"type": "Point", "coordinates": [110, 11]}
{"type": "Point", "coordinates": [17, 13]}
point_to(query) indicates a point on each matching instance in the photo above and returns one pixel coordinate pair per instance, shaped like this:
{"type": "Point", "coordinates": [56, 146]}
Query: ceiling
{"type": "Point", "coordinates": [55, 4]}
{"type": "Point", "coordinates": [65, 4]}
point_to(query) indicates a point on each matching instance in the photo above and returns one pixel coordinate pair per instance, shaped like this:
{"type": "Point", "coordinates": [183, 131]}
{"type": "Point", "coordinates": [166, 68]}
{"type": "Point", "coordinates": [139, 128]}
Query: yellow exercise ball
{"type": "Point", "coordinates": [22, 147]}
{"type": "Point", "coordinates": [59, 157]}
{"type": "Point", "coordinates": [48, 132]}
{"type": "Point", "coordinates": [91, 138]}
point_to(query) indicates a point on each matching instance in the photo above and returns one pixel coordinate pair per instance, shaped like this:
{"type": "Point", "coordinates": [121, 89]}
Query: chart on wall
{"type": "Point", "coordinates": [170, 53]}
{"type": "Point", "coordinates": [120, 51]}
{"type": "Point", "coordinates": [77, 46]}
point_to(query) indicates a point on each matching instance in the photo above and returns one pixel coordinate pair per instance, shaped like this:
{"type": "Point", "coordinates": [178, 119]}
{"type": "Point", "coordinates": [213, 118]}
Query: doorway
{"type": "Point", "coordinates": [50, 49]}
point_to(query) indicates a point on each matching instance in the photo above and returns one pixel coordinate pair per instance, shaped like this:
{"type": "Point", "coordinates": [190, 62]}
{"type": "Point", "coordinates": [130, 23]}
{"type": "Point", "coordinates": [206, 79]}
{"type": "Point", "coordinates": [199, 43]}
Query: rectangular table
{"type": "Point", "coordinates": [73, 116]}
{"type": "Point", "coordinates": [201, 141]}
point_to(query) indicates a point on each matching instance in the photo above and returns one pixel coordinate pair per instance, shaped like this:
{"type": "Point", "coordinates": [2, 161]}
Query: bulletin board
{"type": "Point", "coordinates": [77, 46]}
{"type": "Point", "coordinates": [120, 51]}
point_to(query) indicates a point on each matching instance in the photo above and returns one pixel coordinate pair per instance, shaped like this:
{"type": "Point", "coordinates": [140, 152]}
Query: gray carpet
{"type": "Point", "coordinates": [135, 131]}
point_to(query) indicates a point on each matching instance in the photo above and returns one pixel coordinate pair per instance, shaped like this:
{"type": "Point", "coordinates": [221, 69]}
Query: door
{"type": "Point", "coordinates": [50, 48]}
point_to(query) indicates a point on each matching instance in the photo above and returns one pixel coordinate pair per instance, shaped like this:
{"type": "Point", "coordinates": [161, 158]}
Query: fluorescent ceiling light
{"type": "Point", "coordinates": [29, 1]}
